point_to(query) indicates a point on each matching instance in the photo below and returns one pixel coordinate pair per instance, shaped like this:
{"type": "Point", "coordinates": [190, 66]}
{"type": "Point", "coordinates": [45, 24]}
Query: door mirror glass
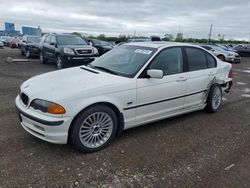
{"type": "Point", "coordinates": [155, 73]}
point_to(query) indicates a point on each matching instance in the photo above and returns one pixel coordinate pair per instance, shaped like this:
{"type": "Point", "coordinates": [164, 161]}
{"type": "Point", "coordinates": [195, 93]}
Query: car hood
{"type": "Point", "coordinates": [67, 84]}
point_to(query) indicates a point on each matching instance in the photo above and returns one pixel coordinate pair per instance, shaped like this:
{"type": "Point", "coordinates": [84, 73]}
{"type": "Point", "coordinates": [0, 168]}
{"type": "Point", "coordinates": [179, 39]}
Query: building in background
{"type": "Point", "coordinates": [9, 27]}
{"type": "Point", "coordinates": [9, 30]}
{"type": "Point", "coordinates": [31, 30]}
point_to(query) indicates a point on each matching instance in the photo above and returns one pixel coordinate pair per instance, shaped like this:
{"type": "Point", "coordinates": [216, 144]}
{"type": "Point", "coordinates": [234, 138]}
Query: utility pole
{"type": "Point", "coordinates": [134, 33]}
{"type": "Point", "coordinates": [210, 33]}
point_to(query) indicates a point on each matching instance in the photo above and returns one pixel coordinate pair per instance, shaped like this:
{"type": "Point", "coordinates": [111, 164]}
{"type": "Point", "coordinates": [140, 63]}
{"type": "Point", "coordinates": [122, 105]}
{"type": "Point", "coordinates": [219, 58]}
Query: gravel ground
{"type": "Point", "coordinates": [193, 150]}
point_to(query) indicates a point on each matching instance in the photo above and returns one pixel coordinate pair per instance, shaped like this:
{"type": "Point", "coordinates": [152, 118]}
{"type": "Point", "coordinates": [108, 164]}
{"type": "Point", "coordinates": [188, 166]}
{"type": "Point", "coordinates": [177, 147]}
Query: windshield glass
{"type": "Point", "coordinates": [33, 39]}
{"type": "Point", "coordinates": [70, 40]}
{"type": "Point", "coordinates": [124, 60]}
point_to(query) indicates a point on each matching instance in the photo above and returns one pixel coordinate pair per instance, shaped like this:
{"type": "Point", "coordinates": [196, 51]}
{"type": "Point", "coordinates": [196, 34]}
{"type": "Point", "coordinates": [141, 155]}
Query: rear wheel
{"type": "Point", "coordinates": [214, 98]}
{"type": "Point", "coordinates": [43, 60]}
{"type": "Point", "coordinates": [94, 128]}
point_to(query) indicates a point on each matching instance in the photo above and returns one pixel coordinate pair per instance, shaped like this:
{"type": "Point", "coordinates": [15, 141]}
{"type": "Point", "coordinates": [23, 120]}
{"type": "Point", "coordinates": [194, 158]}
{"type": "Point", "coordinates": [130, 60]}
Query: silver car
{"type": "Point", "coordinates": [222, 54]}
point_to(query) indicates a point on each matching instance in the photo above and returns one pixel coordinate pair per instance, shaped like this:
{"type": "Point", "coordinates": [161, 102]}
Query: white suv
{"type": "Point", "coordinates": [131, 85]}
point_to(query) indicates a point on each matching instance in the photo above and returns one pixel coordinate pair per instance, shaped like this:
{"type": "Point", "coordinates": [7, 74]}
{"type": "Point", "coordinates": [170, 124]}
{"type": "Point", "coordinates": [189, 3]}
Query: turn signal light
{"type": "Point", "coordinates": [54, 108]}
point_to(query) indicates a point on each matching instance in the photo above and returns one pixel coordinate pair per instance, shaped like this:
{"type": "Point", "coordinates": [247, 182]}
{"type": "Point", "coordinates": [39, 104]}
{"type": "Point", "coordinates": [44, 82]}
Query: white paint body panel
{"type": "Point", "coordinates": [75, 89]}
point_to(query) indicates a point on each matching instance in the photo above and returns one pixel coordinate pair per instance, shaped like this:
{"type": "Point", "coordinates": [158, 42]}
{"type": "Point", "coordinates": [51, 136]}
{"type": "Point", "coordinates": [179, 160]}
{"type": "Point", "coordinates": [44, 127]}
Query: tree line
{"type": "Point", "coordinates": [168, 37]}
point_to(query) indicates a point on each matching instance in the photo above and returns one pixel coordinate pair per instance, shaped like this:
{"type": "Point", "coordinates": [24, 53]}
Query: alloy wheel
{"type": "Point", "coordinates": [96, 129]}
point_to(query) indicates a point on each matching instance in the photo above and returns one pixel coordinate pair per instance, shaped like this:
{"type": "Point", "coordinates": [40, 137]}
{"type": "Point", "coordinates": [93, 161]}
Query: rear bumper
{"type": "Point", "coordinates": [50, 129]}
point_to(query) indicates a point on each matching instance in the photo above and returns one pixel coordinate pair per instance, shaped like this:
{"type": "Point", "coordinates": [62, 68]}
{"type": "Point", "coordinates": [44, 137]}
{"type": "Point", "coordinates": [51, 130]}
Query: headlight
{"type": "Point", "coordinates": [230, 54]}
{"type": "Point", "coordinates": [68, 51]}
{"type": "Point", "coordinates": [47, 107]}
{"type": "Point", "coordinates": [96, 51]}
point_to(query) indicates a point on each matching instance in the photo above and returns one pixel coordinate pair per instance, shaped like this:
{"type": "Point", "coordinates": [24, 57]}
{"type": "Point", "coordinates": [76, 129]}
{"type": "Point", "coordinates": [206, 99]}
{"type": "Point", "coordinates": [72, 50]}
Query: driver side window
{"type": "Point", "coordinates": [170, 61]}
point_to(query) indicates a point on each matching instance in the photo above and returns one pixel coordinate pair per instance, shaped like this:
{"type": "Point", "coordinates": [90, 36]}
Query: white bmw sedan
{"type": "Point", "coordinates": [133, 84]}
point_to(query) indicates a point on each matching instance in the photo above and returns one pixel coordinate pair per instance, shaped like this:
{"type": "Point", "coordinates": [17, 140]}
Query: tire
{"type": "Point", "coordinates": [59, 62]}
{"type": "Point", "coordinates": [221, 57]}
{"type": "Point", "coordinates": [43, 60]}
{"type": "Point", "coordinates": [27, 54]}
{"type": "Point", "coordinates": [88, 136]}
{"type": "Point", "coordinates": [214, 99]}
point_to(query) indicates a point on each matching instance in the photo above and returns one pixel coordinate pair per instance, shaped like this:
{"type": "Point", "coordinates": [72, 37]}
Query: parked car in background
{"type": "Point", "coordinates": [139, 40]}
{"type": "Point", "coordinates": [1, 44]}
{"type": "Point", "coordinates": [222, 54]}
{"type": "Point", "coordinates": [243, 50]}
{"type": "Point", "coordinates": [101, 46]}
{"type": "Point", "coordinates": [30, 45]}
{"type": "Point", "coordinates": [7, 41]}
{"type": "Point", "coordinates": [224, 47]}
{"type": "Point", "coordinates": [3, 38]}
{"type": "Point", "coordinates": [155, 38]}
{"type": "Point", "coordinates": [66, 50]}
{"type": "Point", "coordinates": [131, 85]}
{"type": "Point", "coordinates": [15, 42]}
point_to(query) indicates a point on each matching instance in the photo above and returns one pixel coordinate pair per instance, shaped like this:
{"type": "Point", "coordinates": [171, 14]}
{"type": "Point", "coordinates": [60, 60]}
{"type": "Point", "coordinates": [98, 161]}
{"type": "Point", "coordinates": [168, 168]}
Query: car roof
{"type": "Point", "coordinates": [158, 44]}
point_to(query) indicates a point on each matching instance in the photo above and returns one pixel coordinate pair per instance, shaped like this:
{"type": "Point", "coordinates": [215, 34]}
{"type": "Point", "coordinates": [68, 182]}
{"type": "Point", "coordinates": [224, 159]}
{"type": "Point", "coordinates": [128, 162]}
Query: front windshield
{"type": "Point", "coordinates": [70, 40]}
{"type": "Point", "coordinates": [33, 39]}
{"type": "Point", "coordinates": [124, 60]}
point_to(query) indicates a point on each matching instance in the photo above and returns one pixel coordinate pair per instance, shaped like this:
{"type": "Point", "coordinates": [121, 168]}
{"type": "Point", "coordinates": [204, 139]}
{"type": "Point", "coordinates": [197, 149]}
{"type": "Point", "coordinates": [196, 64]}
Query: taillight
{"type": "Point", "coordinates": [230, 74]}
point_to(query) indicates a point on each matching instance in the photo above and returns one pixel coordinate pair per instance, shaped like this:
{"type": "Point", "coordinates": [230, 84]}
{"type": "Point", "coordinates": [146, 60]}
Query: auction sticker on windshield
{"type": "Point", "coordinates": [141, 51]}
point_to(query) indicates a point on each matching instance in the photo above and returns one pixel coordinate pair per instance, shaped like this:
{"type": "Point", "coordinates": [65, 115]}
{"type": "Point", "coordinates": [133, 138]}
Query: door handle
{"type": "Point", "coordinates": [181, 79]}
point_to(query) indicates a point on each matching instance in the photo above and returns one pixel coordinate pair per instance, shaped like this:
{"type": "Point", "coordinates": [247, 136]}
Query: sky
{"type": "Point", "coordinates": [142, 17]}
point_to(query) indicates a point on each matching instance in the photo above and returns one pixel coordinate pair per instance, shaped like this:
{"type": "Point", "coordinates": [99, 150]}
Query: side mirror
{"type": "Point", "coordinates": [155, 73]}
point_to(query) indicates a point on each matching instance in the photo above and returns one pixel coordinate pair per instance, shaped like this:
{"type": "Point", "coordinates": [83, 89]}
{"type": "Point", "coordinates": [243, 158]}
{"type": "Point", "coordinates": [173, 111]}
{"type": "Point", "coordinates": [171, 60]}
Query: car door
{"type": "Point", "coordinates": [46, 47]}
{"type": "Point", "coordinates": [52, 47]}
{"type": "Point", "coordinates": [201, 74]}
{"type": "Point", "coordinates": [158, 98]}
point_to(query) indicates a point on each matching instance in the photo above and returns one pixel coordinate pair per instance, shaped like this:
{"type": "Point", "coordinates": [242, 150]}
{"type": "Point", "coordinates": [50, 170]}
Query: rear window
{"type": "Point", "coordinates": [196, 59]}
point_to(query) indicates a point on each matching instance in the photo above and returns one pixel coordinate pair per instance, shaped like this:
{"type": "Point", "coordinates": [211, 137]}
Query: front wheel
{"type": "Point", "coordinates": [59, 62]}
{"type": "Point", "coordinates": [214, 98]}
{"type": "Point", "coordinates": [94, 128]}
{"type": "Point", "coordinates": [221, 57]}
{"type": "Point", "coordinates": [27, 54]}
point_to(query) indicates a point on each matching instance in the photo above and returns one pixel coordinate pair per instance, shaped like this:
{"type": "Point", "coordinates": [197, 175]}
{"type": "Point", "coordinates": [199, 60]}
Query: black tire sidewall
{"type": "Point", "coordinates": [209, 106]}
{"type": "Point", "coordinates": [27, 54]}
{"type": "Point", "coordinates": [62, 63]}
{"type": "Point", "coordinates": [74, 132]}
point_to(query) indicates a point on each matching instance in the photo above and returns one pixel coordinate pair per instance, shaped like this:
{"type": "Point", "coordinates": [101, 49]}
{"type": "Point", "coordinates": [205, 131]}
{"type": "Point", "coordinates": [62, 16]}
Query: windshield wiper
{"type": "Point", "coordinates": [103, 68]}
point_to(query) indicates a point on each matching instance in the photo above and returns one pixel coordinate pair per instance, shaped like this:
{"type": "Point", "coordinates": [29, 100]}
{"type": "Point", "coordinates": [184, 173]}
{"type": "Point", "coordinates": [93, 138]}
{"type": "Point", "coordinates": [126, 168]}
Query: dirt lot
{"type": "Point", "coordinates": [194, 150]}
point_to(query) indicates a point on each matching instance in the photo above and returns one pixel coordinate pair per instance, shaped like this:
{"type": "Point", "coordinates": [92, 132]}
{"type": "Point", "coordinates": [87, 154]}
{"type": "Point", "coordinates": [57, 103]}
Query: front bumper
{"type": "Point", "coordinates": [50, 129]}
{"type": "Point", "coordinates": [77, 60]}
{"type": "Point", "coordinates": [233, 59]}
